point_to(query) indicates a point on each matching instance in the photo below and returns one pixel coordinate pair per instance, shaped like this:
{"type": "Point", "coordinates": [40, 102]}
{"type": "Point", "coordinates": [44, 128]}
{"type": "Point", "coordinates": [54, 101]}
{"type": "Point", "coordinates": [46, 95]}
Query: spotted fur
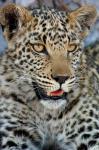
{"type": "Point", "coordinates": [45, 54]}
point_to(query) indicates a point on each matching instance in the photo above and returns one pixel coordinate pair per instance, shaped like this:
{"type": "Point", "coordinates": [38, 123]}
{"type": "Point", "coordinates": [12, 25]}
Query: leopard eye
{"type": "Point", "coordinates": [38, 47]}
{"type": "Point", "coordinates": [72, 47]}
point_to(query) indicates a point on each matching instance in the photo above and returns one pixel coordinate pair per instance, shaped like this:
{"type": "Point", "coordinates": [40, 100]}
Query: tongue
{"type": "Point", "coordinates": [57, 93]}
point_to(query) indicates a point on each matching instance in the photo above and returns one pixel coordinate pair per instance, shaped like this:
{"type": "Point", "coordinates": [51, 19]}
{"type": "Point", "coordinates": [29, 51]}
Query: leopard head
{"type": "Point", "coordinates": [46, 45]}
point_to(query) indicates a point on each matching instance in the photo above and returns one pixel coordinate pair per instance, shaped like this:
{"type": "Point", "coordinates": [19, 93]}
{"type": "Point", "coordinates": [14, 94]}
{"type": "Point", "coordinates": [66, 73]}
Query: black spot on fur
{"type": "Point", "coordinates": [24, 146]}
{"type": "Point", "coordinates": [10, 128]}
{"type": "Point", "coordinates": [20, 52]}
{"type": "Point", "coordinates": [28, 56]}
{"type": "Point", "coordinates": [96, 135]}
{"type": "Point", "coordinates": [74, 123]}
{"type": "Point", "coordinates": [11, 143]}
{"type": "Point", "coordinates": [23, 49]}
{"type": "Point", "coordinates": [60, 115]}
{"type": "Point", "coordinates": [28, 50]}
{"type": "Point", "coordinates": [21, 62]}
{"type": "Point", "coordinates": [31, 70]}
{"type": "Point", "coordinates": [89, 128]}
{"type": "Point", "coordinates": [3, 134]}
{"type": "Point", "coordinates": [12, 122]}
{"type": "Point", "coordinates": [81, 129]}
{"type": "Point", "coordinates": [82, 147]}
{"type": "Point", "coordinates": [15, 98]}
{"type": "Point", "coordinates": [73, 136]}
{"type": "Point", "coordinates": [95, 106]}
{"type": "Point", "coordinates": [88, 120]}
{"type": "Point", "coordinates": [44, 24]}
{"type": "Point", "coordinates": [44, 29]}
{"type": "Point", "coordinates": [96, 125]}
{"type": "Point", "coordinates": [44, 39]}
{"type": "Point", "coordinates": [81, 120]}
{"type": "Point", "coordinates": [91, 113]}
{"type": "Point", "coordinates": [92, 143]}
{"type": "Point", "coordinates": [85, 136]}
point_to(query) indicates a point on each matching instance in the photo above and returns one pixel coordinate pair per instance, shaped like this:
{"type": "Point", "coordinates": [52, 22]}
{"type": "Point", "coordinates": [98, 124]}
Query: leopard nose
{"type": "Point", "coordinates": [60, 79]}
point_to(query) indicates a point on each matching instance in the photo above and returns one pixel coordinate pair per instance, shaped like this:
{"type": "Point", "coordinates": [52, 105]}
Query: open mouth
{"type": "Point", "coordinates": [55, 95]}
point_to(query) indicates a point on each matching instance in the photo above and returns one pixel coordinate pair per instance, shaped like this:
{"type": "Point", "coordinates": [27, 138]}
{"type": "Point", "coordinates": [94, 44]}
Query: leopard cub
{"type": "Point", "coordinates": [47, 98]}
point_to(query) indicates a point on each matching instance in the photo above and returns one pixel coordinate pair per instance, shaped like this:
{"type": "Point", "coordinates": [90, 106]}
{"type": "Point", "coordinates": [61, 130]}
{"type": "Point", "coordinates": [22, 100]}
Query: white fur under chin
{"type": "Point", "coordinates": [49, 104]}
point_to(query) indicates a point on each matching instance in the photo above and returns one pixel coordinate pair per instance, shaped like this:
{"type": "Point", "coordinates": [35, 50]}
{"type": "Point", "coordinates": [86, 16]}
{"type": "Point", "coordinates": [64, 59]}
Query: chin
{"type": "Point", "coordinates": [52, 104]}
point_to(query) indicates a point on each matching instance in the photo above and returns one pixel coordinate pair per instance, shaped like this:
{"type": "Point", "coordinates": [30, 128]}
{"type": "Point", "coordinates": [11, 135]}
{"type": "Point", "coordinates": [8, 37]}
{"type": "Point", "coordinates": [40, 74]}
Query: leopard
{"type": "Point", "coordinates": [49, 97]}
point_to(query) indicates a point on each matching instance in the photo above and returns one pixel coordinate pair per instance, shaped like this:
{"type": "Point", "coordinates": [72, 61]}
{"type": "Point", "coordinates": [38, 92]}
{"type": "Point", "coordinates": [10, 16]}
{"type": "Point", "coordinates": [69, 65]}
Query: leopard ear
{"type": "Point", "coordinates": [12, 18]}
{"type": "Point", "coordinates": [83, 18]}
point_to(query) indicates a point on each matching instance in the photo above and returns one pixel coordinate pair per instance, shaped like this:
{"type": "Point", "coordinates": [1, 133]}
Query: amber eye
{"type": "Point", "coordinates": [38, 47]}
{"type": "Point", "coordinates": [72, 47]}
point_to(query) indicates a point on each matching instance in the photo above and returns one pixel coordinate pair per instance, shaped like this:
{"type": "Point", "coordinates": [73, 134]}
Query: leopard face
{"type": "Point", "coordinates": [46, 45]}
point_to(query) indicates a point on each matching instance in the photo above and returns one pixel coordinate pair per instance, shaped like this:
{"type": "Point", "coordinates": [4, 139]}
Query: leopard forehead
{"type": "Point", "coordinates": [51, 22]}
{"type": "Point", "coordinates": [54, 24]}
{"type": "Point", "coordinates": [51, 27]}
{"type": "Point", "coordinates": [52, 16]}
